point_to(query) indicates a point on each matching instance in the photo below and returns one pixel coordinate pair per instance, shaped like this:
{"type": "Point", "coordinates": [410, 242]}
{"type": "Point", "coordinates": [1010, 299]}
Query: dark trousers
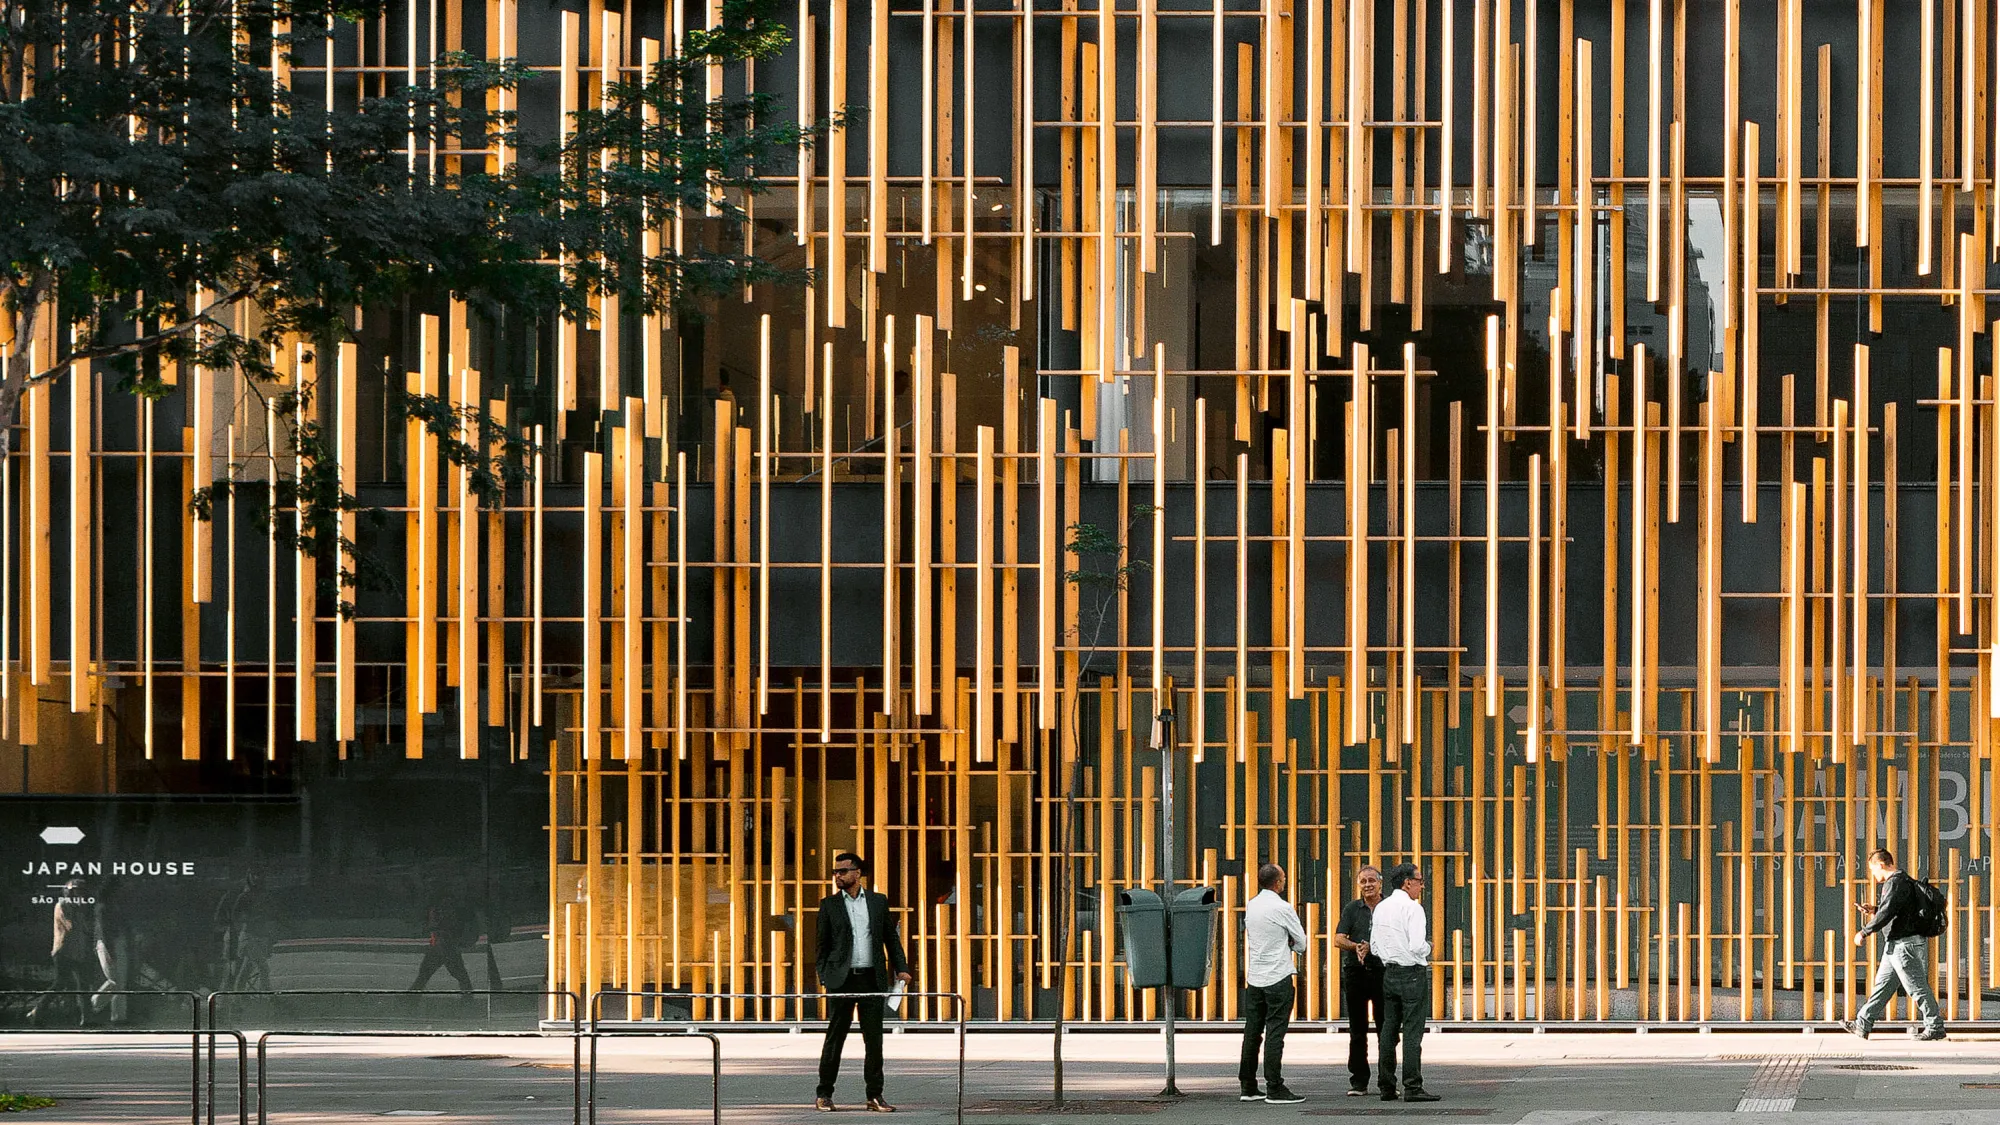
{"type": "Point", "coordinates": [450, 960]}
{"type": "Point", "coordinates": [1363, 989]}
{"type": "Point", "coordinates": [840, 1017]}
{"type": "Point", "coordinates": [1267, 1014]}
{"type": "Point", "coordinates": [1406, 1001]}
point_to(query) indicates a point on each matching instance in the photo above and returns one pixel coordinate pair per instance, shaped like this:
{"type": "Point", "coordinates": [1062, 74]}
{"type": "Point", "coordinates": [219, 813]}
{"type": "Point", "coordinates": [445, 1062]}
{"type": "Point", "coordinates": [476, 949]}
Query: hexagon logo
{"type": "Point", "coordinates": [62, 835]}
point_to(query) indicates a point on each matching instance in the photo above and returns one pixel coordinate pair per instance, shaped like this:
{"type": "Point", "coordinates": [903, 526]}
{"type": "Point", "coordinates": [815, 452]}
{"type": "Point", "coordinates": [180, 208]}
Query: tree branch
{"type": "Point", "coordinates": [147, 342]}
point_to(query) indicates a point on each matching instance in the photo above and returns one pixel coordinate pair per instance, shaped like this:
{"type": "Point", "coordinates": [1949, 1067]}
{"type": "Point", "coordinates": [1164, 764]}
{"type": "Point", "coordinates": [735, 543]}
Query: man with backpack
{"type": "Point", "coordinates": [1907, 913]}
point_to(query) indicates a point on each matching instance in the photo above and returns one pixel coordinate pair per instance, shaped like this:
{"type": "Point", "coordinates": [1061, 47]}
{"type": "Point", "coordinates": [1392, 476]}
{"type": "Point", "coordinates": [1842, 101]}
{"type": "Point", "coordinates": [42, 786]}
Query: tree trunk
{"type": "Point", "coordinates": [1066, 837]}
{"type": "Point", "coordinates": [21, 360]}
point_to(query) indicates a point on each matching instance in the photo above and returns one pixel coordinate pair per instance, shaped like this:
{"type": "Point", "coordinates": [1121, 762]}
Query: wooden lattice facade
{"type": "Point", "coordinates": [1561, 437]}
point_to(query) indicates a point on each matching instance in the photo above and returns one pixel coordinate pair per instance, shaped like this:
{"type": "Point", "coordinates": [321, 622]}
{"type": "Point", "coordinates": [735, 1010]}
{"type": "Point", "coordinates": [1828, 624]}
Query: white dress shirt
{"type": "Point", "coordinates": [1271, 932]}
{"type": "Point", "coordinates": [1399, 929]}
{"type": "Point", "coordinates": [863, 956]}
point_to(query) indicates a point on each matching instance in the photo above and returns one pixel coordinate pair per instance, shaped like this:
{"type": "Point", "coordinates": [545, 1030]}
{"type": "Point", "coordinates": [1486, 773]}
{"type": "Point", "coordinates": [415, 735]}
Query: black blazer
{"type": "Point", "coordinates": [836, 938]}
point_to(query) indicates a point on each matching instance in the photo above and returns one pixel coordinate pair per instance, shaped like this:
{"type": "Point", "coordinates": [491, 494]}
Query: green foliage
{"type": "Point", "coordinates": [1103, 565]}
{"type": "Point", "coordinates": [164, 201]}
{"type": "Point", "coordinates": [659, 145]}
{"type": "Point", "coordinates": [21, 1103]}
{"type": "Point", "coordinates": [313, 496]}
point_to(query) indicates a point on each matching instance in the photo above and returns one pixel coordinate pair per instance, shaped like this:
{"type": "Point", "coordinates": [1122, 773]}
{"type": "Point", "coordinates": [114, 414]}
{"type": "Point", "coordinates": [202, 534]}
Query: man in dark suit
{"type": "Point", "coordinates": [857, 939]}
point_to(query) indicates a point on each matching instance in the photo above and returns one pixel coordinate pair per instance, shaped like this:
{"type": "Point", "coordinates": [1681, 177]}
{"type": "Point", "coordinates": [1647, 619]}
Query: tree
{"type": "Point", "coordinates": [1104, 570]}
{"type": "Point", "coordinates": [169, 200]}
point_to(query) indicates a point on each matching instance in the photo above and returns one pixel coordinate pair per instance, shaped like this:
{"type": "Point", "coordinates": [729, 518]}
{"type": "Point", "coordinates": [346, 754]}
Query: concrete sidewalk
{"type": "Point", "coordinates": [1553, 1079]}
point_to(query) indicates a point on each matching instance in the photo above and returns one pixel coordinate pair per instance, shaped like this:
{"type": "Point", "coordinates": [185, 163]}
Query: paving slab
{"type": "Point", "coordinates": [1112, 1077]}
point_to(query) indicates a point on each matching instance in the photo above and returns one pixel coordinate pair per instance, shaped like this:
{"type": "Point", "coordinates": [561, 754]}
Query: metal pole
{"type": "Point", "coordinates": [194, 1017]}
{"type": "Point", "coordinates": [1163, 740]}
{"type": "Point", "coordinates": [242, 1079]}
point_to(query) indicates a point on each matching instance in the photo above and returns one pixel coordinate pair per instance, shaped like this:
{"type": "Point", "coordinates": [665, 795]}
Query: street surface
{"type": "Point", "coordinates": [1610, 1078]}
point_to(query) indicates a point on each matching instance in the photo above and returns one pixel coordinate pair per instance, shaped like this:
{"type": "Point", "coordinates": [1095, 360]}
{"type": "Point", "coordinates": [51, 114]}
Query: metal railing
{"type": "Point", "coordinates": [195, 1083]}
{"type": "Point", "coordinates": [576, 1056]}
{"type": "Point", "coordinates": [596, 1024]}
{"type": "Point", "coordinates": [714, 1064]}
{"type": "Point", "coordinates": [573, 1002]}
{"type": "Point", "coordinates": [83, 999]}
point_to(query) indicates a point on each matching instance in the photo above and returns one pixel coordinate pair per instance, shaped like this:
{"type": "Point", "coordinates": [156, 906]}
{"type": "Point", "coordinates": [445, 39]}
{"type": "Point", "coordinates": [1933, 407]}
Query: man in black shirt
{"type": "Point", "coordinates": [1360, 977]}
{"type": "Point", "coordinates": [1894, 916]}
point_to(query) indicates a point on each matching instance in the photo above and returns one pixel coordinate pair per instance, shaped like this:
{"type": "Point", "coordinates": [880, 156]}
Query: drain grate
{"type": "Point", "coordinates": [1775, 1086]}
{"type": "Point", "coordinates": [1979, 1085]}
{"type": "Point", "coordinates": [537, 1064]}
{"type": "Point", "coordinates": [1873, 1066]}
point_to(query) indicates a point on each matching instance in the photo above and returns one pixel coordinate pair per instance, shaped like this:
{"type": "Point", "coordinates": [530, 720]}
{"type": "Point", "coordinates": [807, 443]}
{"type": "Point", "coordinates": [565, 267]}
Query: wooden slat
{"type": "Point", "coordinates": [82, 506]}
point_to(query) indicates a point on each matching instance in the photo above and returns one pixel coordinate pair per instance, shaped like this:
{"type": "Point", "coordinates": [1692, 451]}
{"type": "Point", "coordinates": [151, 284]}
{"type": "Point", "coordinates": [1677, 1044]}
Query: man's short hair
{"type": "Point", "coordinates": [1400, 873]}
{"type": "Point", "coordinates": [860, 864]}
{"type": "Point", "coordinates": [1269, 875]}
{"type": "Point", "coordinates": [1883, 856]}
{"type": "Point", "coordinates": [1366, 868]}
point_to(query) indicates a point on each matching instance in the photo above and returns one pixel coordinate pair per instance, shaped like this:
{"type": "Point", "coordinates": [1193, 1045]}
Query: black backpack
{"type": "Point", "coordinates": [1932, 915]}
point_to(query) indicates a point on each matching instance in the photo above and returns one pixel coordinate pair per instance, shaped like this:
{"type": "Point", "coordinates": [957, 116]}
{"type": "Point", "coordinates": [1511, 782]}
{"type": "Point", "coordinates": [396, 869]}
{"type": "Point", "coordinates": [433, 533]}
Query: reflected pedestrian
{"type": "Point", "coordinates": [246, 937]}
{"type": "Point", "coordinates": [70, 954]}
{"type": "Point", "coordinates": [113, 947]}
{"type": "Point", "coordinates": [446, 932]}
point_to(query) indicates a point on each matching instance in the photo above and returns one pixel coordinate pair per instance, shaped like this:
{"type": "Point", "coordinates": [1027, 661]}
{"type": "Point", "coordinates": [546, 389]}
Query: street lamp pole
{"type": "Point", "coordinates": [1163, 741]}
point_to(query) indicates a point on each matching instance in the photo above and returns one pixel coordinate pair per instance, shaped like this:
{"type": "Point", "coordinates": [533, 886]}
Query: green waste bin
{"type": "Point", "coordinates": [1191, 928]}
{"type": "Point", "coordinates": [1142, 918]}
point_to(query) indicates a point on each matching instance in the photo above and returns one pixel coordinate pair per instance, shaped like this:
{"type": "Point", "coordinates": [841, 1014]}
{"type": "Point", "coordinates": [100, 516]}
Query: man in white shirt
{"type": "Point", "coordinates": [1271, 933]}
{"type": "Point", "coordinates": [1399, 936]}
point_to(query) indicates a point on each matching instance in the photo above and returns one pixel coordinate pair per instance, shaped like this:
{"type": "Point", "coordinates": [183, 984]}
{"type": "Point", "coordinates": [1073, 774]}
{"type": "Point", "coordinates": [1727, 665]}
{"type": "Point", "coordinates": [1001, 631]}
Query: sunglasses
{"type": "Point", "coordinates": [844, 870]}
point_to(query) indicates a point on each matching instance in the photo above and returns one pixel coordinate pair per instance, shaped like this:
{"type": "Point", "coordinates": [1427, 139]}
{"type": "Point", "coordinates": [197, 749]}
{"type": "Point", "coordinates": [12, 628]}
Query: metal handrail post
{"type": "Point", "coordinates": [575, 1002]}
{"type": "Point", "coordinates": [242, 1078]}
{"type": "Point", "coordinates": [194, 1084]}
{"type": "Point", "coordinates": [242, 1071]}
{"type": "Point", "coordinates": [591, 1102]}
{"type": "Point", "coordinates": [543, 993]}
{"type": "Point", "coordinates": [194, 1076]}
{"type": "Point", "coordinates": [959, 1007]}
{"type": "Point", "coordinates": [714, 1064]}
{"type": "Point", "coordinates": [715, 1076]}
{"type": "Point", "coordinates": [264, 1039]}
{"type": "Point", "coordinates": [1163, 739]}
{"type": "Point", "coordinates": [211, 1056]}
{"type": "Point", "coordinates": [84, 997]}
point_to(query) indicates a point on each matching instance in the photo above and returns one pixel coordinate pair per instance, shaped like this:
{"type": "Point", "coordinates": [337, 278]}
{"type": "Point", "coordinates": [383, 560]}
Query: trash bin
{"type": "Point", "coordinates": [1142, 918]}
{"type": "Point", "coordinates": [1192, 930]}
